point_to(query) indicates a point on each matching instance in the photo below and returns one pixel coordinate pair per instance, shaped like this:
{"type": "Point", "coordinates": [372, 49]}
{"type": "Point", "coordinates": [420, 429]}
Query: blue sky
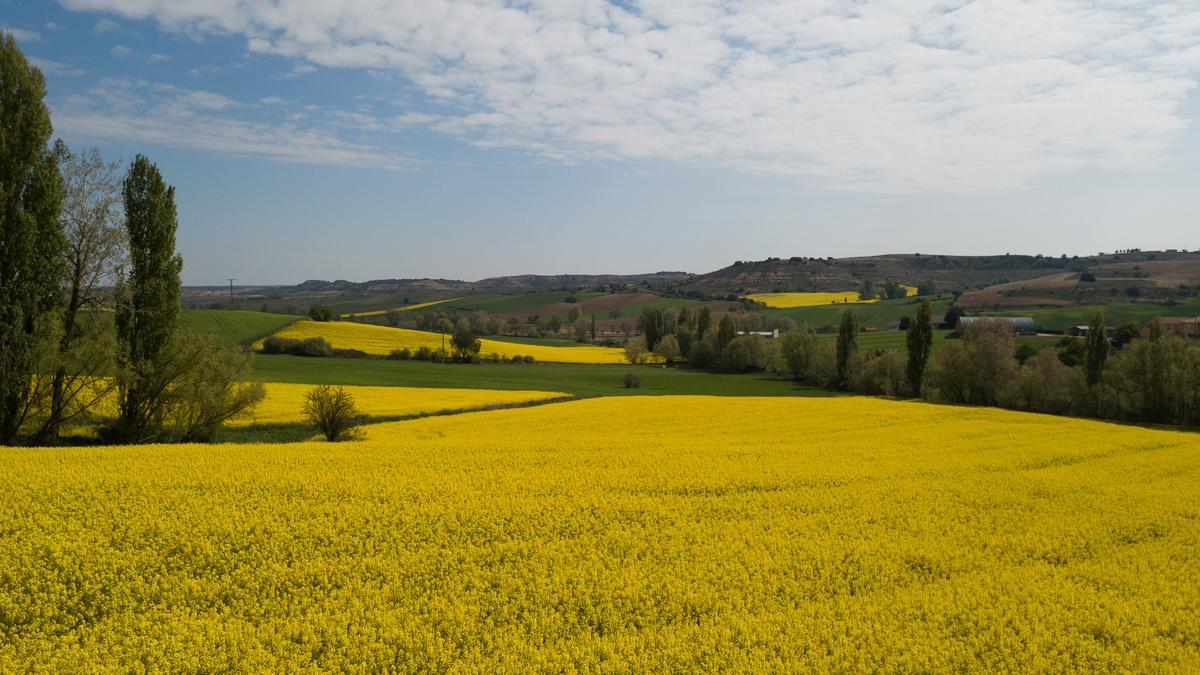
{"type": "Point", "coordinates": [359, 140]}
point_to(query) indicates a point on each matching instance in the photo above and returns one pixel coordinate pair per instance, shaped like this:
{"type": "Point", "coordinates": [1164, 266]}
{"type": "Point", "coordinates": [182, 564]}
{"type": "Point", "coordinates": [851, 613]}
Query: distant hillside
{"type": "Point", "coordinates": [535, 282]}
{"type": "Point", "coordinates": [1014, 275]}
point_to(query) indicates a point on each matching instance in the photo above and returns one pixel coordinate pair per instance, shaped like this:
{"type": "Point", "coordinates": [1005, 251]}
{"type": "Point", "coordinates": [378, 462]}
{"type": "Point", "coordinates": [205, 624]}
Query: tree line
{"type": "Point", "coordinates": [89, 293]}
{"type": "Point", "coordinates": [1145, 375]}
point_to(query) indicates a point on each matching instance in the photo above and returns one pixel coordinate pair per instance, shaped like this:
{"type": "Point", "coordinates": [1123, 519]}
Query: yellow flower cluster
{"type": "Point", "coordinates": [284, 403]}
{"type": "Point", "coordinates": [791, 300]}
{"type": "Point", "coordinates": [381, 340]}
{"type": "Point", "coordinates": [405, 308]}
{"type": "Point", "coordinates": [639, 534]}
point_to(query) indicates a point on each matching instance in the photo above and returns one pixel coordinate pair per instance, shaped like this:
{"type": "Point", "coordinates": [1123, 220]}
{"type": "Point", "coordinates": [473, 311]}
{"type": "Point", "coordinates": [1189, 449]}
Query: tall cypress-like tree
{"type": "Point", "coordinates": [920, 345]}
{"type": "Point", "coordinates": [31, 240]}
{"type": "Point", "coordinates": [847, 344]}
{"type": "Point", "coordinates": [147, 300]}
{"type": "Point", "coordinates": [703, 321]}
{"type": "Point", "coordinates": [726, 332]}
{"type": "Point", "coordinates": [1097, 349]}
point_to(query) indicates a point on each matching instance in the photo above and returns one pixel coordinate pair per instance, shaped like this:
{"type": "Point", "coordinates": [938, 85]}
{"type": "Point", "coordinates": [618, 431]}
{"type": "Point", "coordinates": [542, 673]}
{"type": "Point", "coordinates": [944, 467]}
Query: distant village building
{"type": "Point", "coordinates": [1021, 325]}
{"type": "Point", "coordinates": [764, 333]}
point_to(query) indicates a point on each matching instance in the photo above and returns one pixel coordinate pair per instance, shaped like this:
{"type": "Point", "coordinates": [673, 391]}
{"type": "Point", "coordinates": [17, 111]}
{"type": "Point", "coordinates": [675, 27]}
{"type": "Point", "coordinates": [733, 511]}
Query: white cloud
{"type": "Point", "coordinates": [21, 35]}
{"type": "Point", "coordinates": [106, 25]}
{"type": "Point", "coordinates": [167, 115]}
{"type": "Point", "coordinates": [157, 58]}
{"type": "Point", "coordinates": [875, 95]}
{"type": "Point", "coordinates": [121, 51]}
{"type": "Point", "coordinates": [55, 68]}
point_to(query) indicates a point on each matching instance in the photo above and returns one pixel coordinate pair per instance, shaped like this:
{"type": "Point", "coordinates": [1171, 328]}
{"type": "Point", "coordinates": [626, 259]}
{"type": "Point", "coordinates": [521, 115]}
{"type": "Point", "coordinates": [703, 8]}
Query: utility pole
{"type": "Point", "coordinates": [231, 288]}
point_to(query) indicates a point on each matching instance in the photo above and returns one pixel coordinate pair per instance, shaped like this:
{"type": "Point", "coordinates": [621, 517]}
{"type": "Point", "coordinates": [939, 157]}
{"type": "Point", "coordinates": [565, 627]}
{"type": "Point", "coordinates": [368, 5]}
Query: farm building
{"type": "Point", "coordinates": [1017, 324]}
{"type": "Point", "coordinates": [1082, 330]}
{"type": "Point", "coordinates": [1183, 326]}
{"type": "Point", "coordinates": [764, 333]}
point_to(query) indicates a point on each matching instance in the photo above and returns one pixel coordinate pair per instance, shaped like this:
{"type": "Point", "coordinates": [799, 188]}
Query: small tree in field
{"type": "Point", "coordinates": [668, 349]}
{"type": "Point", "coordinates": [331, 410]}
{"type": "Point", "coordinates": [635, 350]}
{"type": "Point", "coordinates": [465, 345]}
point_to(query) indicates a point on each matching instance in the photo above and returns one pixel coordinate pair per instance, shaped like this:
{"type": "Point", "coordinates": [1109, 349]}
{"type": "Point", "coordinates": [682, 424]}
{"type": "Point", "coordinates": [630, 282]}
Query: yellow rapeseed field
{"type": "Point", "coordinates": [790, 300]}
{"type": "Point", "coordinates": [284, 403]}
{"type": "Point", "coordinates": [404, 308]}
{"type": "Point", "coordinates": [639, 534]}
{"type": "Point", "coordinates": [381, 340]}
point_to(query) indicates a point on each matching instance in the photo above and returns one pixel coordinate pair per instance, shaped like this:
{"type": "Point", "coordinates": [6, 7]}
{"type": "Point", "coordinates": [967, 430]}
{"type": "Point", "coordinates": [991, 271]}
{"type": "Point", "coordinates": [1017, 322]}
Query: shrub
{"type": "Point", "coordinates": [320, 313]}
{"type": "Point", "coordinates": [516, 358]}
{"type": "Point", "coordinates": [332, 411]}
{"type": "Point", "coordinates": [423, 354]}
{"type": "Point", "coordinates": [401, 354]}
{"type": "Point", "coordinates": [279, 345]}
{"type": "Point", "coordinates": [631, 381]}
{"type": "Point", "coordinates": [529, 359]}
{"type": "Point", "coordinates": [668, 349]}
{"type": "Point", "coordinates": [635, 350]}
{"type": "Point", "coordinates": [745, 353]}
{"type": "Point", "coordinates": [313, 346]}
{"type": "Point", "coordinates": [210, 391]}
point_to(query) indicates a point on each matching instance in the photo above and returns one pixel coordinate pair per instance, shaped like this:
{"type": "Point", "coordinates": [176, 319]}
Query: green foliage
{"type": "Point", "coordinates": [919, 340]}
{"type": "Point", "coordinates": [631, 381]}
{"type": "Point", "coordinates": [703, 322]}
{"type": "Point", "coordinates": [31, 239]}
{"type": "Point", "coordinates": [745, 353]}
{"type": "Point", "coordinates": [652, 325]}
{"type": "Point", "coordinates": [465, 345]}
{"type": "Point", "coordinates": [847, 344]}
{"type": "Point", "coordinates": [797, 349]}
{"type": "Point", "coordinates": [320, 313]}
{"type": "Point", "coordinates": [147, 301]}
{"type": "Point", "coordinates": [635, 349]}
{"type": "Point", "coordinates": [210, 391]}
{"type": "Point", "coordinates": [313, 346]}
{"type": "Point", "coordinates": [668, 349]}
{"type": "Point", "coordinates": [332, 411]}
{"type": "Point", "coordinates": [726, 332]}
{"type": "Point", "coordinates": [953, 314]}
{"type": "Point", "coordinates": [1097, 349]}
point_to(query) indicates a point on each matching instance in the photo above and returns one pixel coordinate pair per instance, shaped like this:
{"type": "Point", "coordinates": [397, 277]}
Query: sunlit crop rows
{"type": "Point", "coordinates": [680, 534]}
{"type": "Point", "coordinates": [285, 402]}
{"type": "Point", "coordinates": [404, 308]}
{"type": "Point", "coordinates": [381, 340]}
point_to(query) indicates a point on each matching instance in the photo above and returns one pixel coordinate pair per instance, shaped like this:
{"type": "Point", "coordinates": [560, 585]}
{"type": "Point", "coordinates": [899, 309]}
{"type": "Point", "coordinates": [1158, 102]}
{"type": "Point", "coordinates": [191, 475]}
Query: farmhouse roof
{"type": "Point", "coordinates": [1018, 324]}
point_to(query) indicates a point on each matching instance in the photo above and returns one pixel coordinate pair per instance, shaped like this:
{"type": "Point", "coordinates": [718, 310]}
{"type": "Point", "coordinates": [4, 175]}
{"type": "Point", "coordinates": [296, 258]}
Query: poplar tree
{"type": "Point", "coordinates": [31, 241]}
{"type": "Point", "coordinates": [147, 300]}
{"type": "Point", "coordinates": [847, 344]}
{"type": "Point", "coordinates": [726, 332]}
{"type": "Point", "coordinates": [1097, 349]}
{"type": "Point", "coordinates": [920, 346]}
{"type": "Point", "coordinates": [703, 321]}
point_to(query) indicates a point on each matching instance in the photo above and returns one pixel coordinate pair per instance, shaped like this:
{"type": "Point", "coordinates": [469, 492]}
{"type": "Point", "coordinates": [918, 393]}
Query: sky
{"type": "Point", "coordinates": [367, 139]}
